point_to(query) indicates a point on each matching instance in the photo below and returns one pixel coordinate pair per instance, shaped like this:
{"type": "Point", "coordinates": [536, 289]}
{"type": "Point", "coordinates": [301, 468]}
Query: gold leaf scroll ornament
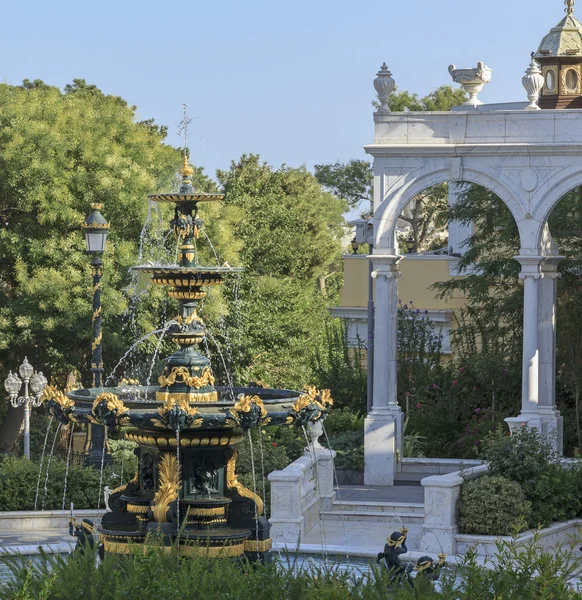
{"type": "Point", "coordinates": [182, 374]}
{"type": "Point", "coordinates": [181, 404]}
{"type": "Point", "coordinates": [168, 489]}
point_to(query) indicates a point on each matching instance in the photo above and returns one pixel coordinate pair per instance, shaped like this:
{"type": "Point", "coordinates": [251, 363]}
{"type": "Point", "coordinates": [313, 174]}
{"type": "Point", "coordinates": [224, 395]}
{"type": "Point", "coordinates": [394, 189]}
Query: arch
{"type": "Point", "coordinates": [550, 201]}
{"type": "Point", "coordinates": [386, 215]}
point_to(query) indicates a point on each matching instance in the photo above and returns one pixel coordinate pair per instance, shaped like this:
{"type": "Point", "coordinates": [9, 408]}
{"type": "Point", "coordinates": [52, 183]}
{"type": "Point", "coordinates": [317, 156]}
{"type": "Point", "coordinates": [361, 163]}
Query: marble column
{"type": "Point", "coordinates": [539, 274]}
{"type": "Point", "coordinates": [383, 425]}
{"type": "Point", "coordinates": [552, 422]}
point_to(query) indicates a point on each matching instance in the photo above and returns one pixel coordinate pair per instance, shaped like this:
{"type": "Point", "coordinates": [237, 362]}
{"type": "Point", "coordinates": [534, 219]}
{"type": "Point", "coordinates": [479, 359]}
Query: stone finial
{"type": "Point", "coordinates": [472, 81]}
{"type": "Point", "coordinates": [569, 6]}
{"type": "Point", "coordinates": [533, 82]}
{"type": "Point", "coordinates": [384, 85]}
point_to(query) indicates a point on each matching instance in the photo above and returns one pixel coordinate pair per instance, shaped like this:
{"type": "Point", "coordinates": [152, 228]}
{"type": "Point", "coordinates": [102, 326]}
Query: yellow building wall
{"type": "Point", "coordinates": [417, 277]}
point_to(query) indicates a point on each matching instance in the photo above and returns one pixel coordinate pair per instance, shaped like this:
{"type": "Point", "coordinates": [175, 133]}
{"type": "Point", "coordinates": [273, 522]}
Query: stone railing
{"type": "Point", "coordinates": [441, 493]}
{"type": "Point", "coordinates": [300, 492]}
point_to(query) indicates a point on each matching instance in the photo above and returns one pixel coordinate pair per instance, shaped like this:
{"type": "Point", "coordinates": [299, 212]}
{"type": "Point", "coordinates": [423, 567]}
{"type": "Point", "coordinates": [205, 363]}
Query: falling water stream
{"type": "Point", "coordinates": [337, 490]}
{"type": "Point", "coordinates": [42, 461]}
{"type": "Point", "coordinates": [48, 466]}
{"type": "Point", "coordinates": [254, 485]}
{"type": "Point", "coordinates": [178, 492]}
{"type": "Point", "coordinates": [315, 472]}
{"type": "Point", "coordinates": [226, 370]}
{"type": "Point", "coordinates": [211, 247]}
{"type": "Point", "coordinates": [101, 478]}
{"type": "Point", "coordinates": [68, 463]}
{"type": "Point", "coordinates": [263, 467]}
{"type": "Point", "coordinates": [133, 347]}
{"type": "Point", "coordinates": [157, 350]}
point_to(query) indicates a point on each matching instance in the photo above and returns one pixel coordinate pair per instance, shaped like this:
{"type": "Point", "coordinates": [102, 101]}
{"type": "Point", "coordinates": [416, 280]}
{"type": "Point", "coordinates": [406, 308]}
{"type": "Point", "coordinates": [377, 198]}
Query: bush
{"type": "Point", "coordinates": [526, 573]}
{"type": "Point", "coordinates": [343, 420]}
{"type": "Point", "coordinates": [522, 457]}
{"type": "Point", "coordinates": [19, 478]}
{"type": "Point", "coordinates": [349, 448]}
{"type": "Point", "coordinates": [556, 496]}
{"type": "Point", "coordinates": [492, 505]}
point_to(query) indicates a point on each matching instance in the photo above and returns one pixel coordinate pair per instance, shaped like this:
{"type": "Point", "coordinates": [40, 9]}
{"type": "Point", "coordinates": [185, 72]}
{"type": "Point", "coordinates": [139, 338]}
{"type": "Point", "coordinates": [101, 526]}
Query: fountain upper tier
{"type": "Point", "coordinates": [185, 198]}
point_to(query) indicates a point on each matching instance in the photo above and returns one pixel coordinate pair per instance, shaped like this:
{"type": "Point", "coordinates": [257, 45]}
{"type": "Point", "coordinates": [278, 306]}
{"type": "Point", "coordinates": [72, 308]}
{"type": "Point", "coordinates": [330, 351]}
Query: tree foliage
{"type": "Point", "coordinates": [62, 151]}
{"type": "Point", "coordinates": [289, 231]}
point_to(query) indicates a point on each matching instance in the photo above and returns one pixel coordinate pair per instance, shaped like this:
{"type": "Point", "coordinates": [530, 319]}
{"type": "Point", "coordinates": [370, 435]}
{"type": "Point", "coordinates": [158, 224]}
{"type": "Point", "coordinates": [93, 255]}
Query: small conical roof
{"type": "Point", "coordinates": [565, 39]}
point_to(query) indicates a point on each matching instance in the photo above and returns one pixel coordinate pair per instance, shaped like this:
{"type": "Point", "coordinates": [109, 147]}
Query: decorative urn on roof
{"type": "Point", "coordinates": [560, 57]}
{"type": "Point", "coordinates": [472, 81]}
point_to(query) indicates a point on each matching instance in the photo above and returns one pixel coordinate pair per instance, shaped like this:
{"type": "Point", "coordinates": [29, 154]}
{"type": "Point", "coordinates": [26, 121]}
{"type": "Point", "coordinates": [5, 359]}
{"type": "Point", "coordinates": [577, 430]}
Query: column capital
{"type": "Point", "coordinates": [531, 266]}
{"type": "Point", "coordinates": [386, 274]}
{"type": "Point", "coordinates": [385, 265]}
{"type": "Point", "coordinates": [550, 267]}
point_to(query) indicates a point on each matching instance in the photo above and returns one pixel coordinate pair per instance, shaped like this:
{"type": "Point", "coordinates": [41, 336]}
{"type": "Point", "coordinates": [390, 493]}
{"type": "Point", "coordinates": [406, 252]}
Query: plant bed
{"type": "Point", "coordinates": [558, 534]}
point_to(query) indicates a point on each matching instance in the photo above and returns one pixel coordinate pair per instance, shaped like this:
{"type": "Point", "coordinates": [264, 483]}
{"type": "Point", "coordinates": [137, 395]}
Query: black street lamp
{"type": "Point", "coordinates": [96, 229]}
{"type": "Point", "coordinates": [410, 244]}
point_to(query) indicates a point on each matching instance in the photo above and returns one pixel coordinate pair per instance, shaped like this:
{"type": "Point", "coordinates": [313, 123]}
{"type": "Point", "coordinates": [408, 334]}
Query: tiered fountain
{"type": "Point", "coordinates": [186, 487]}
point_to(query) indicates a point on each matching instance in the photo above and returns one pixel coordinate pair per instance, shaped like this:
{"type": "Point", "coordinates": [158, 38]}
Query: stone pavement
{"type": "Point", "coordinates": [28, 542]}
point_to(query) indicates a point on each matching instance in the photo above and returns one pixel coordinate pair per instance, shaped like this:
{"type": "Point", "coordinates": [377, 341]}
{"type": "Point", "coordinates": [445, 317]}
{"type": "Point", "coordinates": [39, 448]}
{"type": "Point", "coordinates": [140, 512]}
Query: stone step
{"type": "Point", "coordinates": [394, 518]}
{"type": "Point", "coordinates": [391, 507]}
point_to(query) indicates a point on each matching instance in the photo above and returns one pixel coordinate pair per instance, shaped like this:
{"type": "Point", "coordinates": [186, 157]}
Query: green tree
{"type": "Point", "coordinates": [353, 181]}
{"type": "Point", "coordinates": [62, 151]}
{"type": "Point", "coordinates": [488, 339]}
{"type": "Point", "coordinates": [289, 231]}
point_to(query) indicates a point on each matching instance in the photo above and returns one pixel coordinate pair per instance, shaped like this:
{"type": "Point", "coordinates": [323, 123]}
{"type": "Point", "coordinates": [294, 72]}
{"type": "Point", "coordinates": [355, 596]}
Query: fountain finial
{"type": "Point", "coordinates": [569, 6]}
{"type": "Point", "coordinates": [186, 171]}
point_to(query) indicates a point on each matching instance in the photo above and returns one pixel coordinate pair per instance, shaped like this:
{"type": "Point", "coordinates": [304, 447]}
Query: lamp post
{"type": "Point", "coordinates": [36, 382]}
{"type": "Point", "coordinates": [96, 229]}
{"type": "Point", "coordinates": [410, 244]}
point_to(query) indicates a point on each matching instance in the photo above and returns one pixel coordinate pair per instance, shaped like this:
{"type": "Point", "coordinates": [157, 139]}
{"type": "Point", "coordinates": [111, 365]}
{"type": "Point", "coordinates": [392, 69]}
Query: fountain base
{"type": "Point", "coordinates": [190, 498]}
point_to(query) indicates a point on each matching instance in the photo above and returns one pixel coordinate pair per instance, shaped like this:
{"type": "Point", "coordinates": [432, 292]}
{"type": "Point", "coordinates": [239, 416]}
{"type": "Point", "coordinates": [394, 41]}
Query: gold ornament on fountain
{"type": "Point", "coordinates": [112, 404]}
{"type": "Point", "coordinates": [168, 489]}
{"type": "Point", "coordinates": [232, 483]}
{"type": "Point", "coordinates": [51, 392]}
{"type": "Point", "coordinates": [180, 403]}
{"type": "Point", "coordinates": [246, 403]}
{"type": "Point", "coordinates": [186, 171]}
{"type": "Point", "coordinates": [182, 375]}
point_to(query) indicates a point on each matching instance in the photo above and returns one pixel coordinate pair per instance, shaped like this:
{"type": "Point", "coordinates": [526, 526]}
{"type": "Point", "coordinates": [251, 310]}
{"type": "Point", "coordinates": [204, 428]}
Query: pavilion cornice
{"type": "Point", "coordinates": [462, 133]}
{"type": "Point", "coordinates": [464, 150]}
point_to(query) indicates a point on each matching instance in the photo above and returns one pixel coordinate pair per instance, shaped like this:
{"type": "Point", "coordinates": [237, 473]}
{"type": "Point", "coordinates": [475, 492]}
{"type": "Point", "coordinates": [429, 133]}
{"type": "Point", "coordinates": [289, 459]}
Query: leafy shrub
{"type": "Point", "coordinates": [340, 368]}
{"type": "Point", "coordinates": [556, 496]}
{"type": "Point", "coordinates": [342, 420]}
{"type": "Point", "coordinates": [349, 448]}
{"type": "Point", "coordinates": [526, 573]}
{"type": "Point", "coordinates": [19, 478]}
{"type": "Point", "coordinates": [522, 457]}
{"type": "Point", "coordinates": [124, 458]}
{"type": "Point", "coordinates": [291, 439]}
{"type": "Point", "coordinates": [492, 505]}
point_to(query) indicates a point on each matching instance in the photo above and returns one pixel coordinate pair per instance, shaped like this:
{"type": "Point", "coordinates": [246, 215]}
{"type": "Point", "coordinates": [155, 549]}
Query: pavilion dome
{"type": "Point", "coordinates": [560, 58]}
{"type": "Point", "coordinates": [565, 39]}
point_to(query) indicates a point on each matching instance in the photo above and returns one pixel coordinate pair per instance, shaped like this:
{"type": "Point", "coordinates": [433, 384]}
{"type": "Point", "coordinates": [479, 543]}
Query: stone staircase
{"type": "Point", "coordinates": [361, 517]}
{"type": "Point", "coordinates": [393, 513]}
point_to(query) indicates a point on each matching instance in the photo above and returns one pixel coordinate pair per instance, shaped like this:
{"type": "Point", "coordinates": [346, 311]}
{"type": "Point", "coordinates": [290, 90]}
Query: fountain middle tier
{"type": "Point", "coordinates": [137, 406]}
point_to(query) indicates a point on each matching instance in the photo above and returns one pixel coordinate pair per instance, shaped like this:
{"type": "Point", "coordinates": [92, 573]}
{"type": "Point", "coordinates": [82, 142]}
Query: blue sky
{"type": "Point", "coordinates": [291, 81]}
